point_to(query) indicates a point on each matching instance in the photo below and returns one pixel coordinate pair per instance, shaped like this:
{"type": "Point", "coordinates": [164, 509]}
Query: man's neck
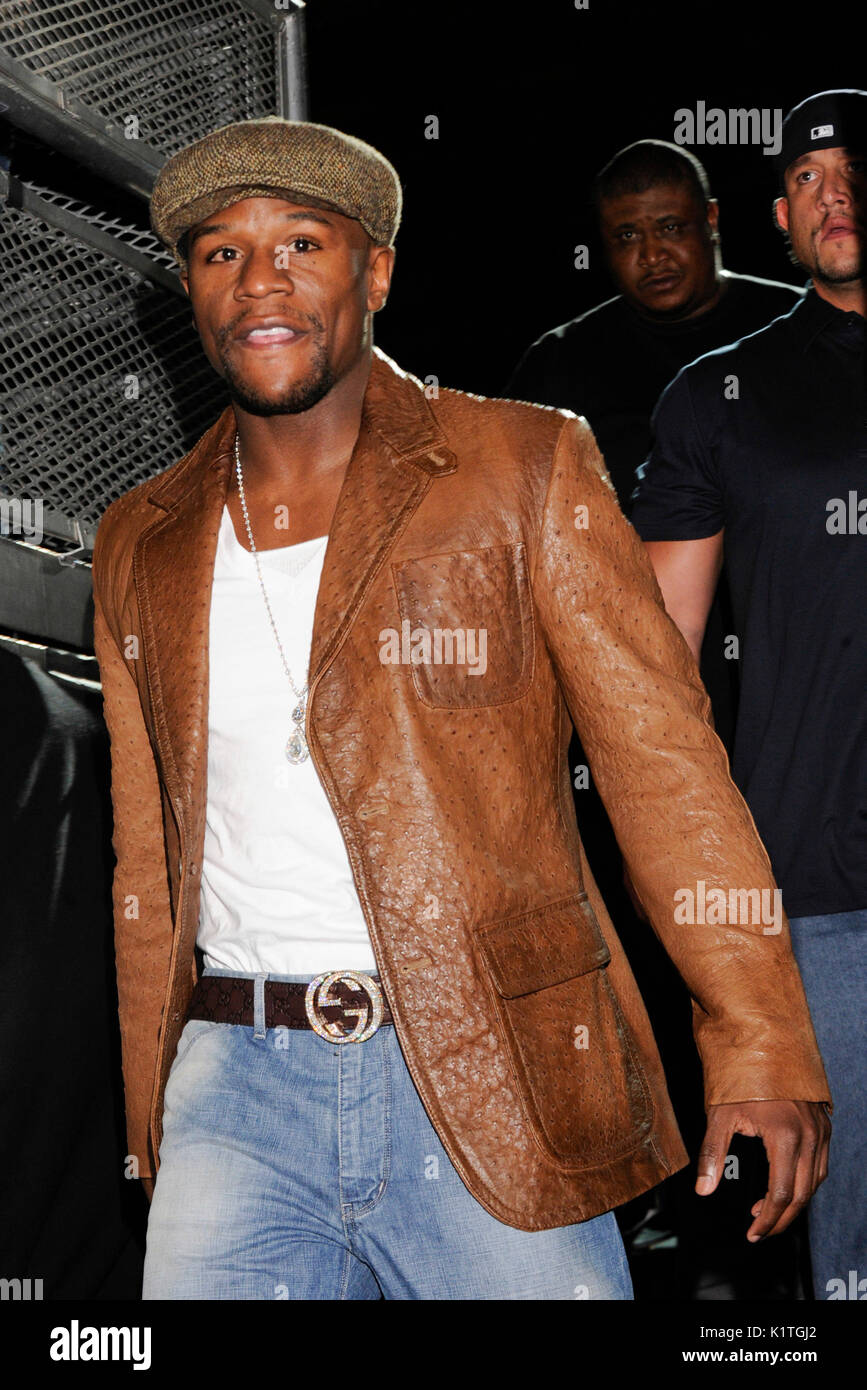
{"type": "Point", "coordinates": [308, 448]}
{"type": "Point", "coordinates": [851, 297]}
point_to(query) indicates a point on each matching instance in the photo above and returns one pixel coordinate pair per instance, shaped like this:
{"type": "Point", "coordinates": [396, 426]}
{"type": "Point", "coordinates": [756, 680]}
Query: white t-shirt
{"type": "Point", "coordinates": [277, 888]}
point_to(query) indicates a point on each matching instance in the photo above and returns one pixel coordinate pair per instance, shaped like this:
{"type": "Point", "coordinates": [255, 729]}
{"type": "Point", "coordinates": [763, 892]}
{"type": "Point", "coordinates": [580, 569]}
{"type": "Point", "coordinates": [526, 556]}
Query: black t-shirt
{"type": "Point", "coordinates": [768, 439]}
{"type": "Point", "coordinates": [612, 365]}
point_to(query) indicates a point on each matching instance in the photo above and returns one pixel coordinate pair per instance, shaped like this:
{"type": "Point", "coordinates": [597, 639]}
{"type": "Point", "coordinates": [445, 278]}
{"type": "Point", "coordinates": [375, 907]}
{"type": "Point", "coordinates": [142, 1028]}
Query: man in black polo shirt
{"type": "Point", "coordinates": [765, 443]}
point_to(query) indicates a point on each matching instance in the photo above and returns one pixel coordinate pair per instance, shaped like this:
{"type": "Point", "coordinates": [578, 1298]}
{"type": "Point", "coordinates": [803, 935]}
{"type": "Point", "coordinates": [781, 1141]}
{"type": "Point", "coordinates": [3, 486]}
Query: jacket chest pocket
{"type": "Point", "coordinates": [466, 626]}
{"type": "Point", "coordinates": [578, 1073]}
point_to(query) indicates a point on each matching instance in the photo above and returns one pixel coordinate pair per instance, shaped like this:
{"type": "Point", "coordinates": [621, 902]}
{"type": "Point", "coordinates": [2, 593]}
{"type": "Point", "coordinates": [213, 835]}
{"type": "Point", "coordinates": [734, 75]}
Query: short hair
{"type": "Point", "coordinates": [650, 164]}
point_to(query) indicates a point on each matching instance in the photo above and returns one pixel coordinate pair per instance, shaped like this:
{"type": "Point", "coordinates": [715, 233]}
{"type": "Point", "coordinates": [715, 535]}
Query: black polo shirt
{"type": "Point", "coordinates": [767, 439]}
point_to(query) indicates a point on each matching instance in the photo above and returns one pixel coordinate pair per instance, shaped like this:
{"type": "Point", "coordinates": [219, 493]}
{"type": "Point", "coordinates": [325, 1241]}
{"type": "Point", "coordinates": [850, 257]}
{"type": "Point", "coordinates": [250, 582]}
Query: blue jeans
{"type": "Point", "coordinates": [296, 1168]}
{"type": "Point", "coordinates": [831, 952]}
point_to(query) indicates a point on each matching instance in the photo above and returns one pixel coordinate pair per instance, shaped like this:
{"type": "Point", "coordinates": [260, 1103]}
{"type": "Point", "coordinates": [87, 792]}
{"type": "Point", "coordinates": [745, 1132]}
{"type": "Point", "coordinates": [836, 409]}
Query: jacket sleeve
{"type": "Point", "coordinates": [635, 696]}
{"type": "Point", "coordinates": [140, 892]}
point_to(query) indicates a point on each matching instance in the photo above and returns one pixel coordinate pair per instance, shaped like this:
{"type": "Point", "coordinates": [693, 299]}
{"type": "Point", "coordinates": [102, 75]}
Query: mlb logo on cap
{"type": "Point", "coordinates": [824, 121]}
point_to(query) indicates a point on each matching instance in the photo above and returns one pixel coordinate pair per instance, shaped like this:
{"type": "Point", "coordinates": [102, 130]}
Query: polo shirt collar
{"type": "Point", "coordinates": [815, 315]}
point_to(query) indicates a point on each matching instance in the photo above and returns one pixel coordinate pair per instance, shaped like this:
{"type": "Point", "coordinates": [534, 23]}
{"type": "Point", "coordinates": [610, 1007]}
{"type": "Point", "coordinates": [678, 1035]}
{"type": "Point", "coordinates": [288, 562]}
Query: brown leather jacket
{"type": "Point", "coordinates": [515, 1008]}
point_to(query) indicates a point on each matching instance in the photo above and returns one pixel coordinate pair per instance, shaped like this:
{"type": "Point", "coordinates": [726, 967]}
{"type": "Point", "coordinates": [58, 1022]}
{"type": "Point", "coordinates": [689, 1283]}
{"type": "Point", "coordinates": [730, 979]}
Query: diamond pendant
{"type": "Point", "coordinates": [296, 748]}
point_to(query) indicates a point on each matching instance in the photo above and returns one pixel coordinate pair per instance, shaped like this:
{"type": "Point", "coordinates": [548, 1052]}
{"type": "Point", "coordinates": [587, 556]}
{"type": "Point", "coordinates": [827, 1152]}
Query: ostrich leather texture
{"type": "Point", "coordinates": [515, 1008]}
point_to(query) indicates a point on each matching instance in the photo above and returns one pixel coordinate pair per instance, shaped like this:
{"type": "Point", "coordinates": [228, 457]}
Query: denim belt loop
{"type": "Point", "coordinates": [259, 1030]}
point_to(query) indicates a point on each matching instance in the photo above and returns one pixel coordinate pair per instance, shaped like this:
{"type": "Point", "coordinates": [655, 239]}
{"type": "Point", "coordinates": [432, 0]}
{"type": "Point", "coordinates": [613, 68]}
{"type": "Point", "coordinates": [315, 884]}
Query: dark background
{"type": "Point", "coordinates": [532, 100]}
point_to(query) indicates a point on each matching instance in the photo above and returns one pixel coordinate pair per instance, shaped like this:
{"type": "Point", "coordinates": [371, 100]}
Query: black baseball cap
{"type": "Point", "coordinates": [823, 122]}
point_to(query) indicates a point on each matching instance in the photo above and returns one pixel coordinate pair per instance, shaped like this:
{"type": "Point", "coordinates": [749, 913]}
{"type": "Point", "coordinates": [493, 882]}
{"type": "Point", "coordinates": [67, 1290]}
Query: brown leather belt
{"type": "Point", "coordinates": [340, 1005]}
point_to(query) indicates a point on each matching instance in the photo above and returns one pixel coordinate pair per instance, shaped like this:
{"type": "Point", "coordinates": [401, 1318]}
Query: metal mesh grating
{"type": "Point", "coordinates": [137, 238]}
{"type": "Point", "coordinates": [104, 379]}
{"type": "Point", "coordinates": [180, 67]}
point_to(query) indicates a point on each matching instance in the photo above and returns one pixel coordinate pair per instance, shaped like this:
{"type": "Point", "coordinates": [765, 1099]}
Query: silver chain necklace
{"type": "Point", "coordinates": [296, 746]}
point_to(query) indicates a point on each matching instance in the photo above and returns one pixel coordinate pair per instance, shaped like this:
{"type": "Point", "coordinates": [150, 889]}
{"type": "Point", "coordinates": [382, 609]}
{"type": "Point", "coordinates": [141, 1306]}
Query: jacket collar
{"type": "Point", "coordinates": [400, 451]}
{"type": "Point", "coordinates": [394, 406]}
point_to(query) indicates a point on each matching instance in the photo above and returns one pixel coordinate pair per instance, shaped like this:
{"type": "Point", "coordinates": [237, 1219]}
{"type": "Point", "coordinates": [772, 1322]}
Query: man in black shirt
{"type": "Point", "coordinates": [765, 443]}
{"type": "Point", "coordinates": [659, 230]}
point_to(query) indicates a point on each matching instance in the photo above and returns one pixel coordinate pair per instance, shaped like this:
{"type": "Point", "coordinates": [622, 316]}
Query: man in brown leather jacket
{"type": "Point", "coordinates": [379, 1035]}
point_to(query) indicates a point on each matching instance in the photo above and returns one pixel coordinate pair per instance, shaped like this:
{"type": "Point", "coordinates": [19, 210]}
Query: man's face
{"type": "Point", "coordinates": [659, 249]}
{"type": "Point", "coordinates": [823, 212]}
{"type": "Point", "coordinates": [281, 294]}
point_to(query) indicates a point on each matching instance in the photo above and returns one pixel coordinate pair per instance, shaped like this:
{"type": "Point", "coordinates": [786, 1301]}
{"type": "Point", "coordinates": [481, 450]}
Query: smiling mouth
{"type": "Point", "coordinates": [269, 337]}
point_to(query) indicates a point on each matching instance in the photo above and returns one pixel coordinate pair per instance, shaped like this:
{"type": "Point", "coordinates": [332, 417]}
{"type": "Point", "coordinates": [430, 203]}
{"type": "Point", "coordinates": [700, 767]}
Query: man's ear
{"type": "Point", "coordinates": [382, 266]}
{"type": "Point", "coordinates": [712, 212]}
{"type": "Point", "coordinates": [781, 213]}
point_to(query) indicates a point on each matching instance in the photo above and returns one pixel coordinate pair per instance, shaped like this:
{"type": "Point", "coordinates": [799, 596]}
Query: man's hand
{"type": "Point", "coordinates": [796, 1135]}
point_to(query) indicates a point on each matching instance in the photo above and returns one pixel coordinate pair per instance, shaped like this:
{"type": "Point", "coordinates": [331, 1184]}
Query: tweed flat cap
{"type": "Point", "coordinates": [274, 158]}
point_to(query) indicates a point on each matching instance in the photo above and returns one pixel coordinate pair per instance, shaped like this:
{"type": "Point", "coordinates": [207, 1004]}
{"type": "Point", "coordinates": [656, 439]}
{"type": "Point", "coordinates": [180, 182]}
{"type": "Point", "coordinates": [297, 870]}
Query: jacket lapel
{"type": "Point", "coordinates": [173, 568]}
{"type": "Point", "coordinates": [399, 450]}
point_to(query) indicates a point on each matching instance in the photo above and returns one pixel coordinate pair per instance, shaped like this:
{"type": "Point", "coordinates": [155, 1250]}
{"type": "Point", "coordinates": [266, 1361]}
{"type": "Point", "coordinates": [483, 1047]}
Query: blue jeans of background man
{"type": "Point", "coordinates": [292, 1167]}
{"type": "Point", "coordinates": [831, 952]}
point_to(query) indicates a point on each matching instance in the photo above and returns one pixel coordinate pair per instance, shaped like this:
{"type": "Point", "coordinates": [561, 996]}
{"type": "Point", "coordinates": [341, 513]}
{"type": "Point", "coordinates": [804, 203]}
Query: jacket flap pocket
{"type": "Point", "coordinates": [544, 947]}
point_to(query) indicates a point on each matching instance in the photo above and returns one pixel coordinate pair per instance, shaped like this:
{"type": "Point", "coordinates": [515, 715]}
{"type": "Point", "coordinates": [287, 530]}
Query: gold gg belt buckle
{"type": "Point", "coordinates": [368, 1014]}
